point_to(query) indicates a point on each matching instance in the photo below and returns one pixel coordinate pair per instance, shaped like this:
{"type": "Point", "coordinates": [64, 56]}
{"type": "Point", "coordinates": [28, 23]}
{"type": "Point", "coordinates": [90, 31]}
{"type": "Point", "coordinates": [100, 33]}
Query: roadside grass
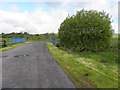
{"type": "Point", "coordinates": [11, 46]}
{"type": "Point", "coordinates": [88, 69]}
{"type": "Point", "coordinates": [14, 46]}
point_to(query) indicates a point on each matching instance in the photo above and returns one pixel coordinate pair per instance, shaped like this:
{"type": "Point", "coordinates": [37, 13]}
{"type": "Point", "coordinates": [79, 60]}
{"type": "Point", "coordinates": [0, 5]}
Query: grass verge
{"type": "Point", "coordinates": [88, 69]}
{"type": "Point", "coordinates": [14, 46]}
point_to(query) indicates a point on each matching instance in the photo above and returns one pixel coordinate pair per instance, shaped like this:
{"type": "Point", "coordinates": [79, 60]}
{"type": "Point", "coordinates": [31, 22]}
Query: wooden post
{"type": "Point", "coordinates": [4, 43]}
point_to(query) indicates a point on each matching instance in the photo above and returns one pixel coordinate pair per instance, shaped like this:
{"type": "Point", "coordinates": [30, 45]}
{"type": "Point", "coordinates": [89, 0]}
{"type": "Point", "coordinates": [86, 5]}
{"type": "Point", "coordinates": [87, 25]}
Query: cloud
{"type": "Point", "coordinates": [115, 27]}
{"type": "Point", "coordinates": [38, 21]}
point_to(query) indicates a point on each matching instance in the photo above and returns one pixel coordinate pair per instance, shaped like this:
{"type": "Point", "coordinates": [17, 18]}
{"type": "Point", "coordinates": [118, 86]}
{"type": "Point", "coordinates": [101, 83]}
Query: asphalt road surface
{"type": "Point", "coordinates": [32, 66]}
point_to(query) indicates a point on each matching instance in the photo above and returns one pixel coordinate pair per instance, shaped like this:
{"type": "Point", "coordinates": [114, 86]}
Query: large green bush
{"type": "Point", "coordinates": [87, 30]}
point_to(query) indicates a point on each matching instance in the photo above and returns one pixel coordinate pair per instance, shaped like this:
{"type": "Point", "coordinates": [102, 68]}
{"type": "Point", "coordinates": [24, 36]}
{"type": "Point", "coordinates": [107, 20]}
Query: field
{"type": "Point", "coordinates": [13, 46]}
{"type": "Point", "coordinates": [29, 37]}
{"type": "Point", "coordinates": [89, 69]}
{"type": "Point", "coordinates": [7, 40]}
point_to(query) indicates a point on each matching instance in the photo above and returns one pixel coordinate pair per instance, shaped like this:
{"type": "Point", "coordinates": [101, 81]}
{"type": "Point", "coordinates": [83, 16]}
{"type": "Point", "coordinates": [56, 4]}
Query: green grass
{"type": "Point", "coordinates": [115, 35]}
{"type": "Point", "coordinates": [11, 46]}
{"type": "Point", "coordinates": [100, 75]}
{"type": "Point", "coordinates": [114, 41]}
{"type": "Point", "coordinates": [15, 45]}
{"type": "Point", "coordinates": [7, 40]}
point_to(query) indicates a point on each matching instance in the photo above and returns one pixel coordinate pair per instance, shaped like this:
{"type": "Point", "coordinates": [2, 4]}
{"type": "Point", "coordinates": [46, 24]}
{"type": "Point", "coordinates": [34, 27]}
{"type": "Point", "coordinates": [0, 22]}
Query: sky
{"type": "Point", "coordinates": [45, 16]}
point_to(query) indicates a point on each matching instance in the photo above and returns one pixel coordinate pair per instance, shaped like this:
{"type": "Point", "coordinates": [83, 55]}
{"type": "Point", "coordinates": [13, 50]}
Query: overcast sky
{"type": "Point", "coordinates": [45, 16]}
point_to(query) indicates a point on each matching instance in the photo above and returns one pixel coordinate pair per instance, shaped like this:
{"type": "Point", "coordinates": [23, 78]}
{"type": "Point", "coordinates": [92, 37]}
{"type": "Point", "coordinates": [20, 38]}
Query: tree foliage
{"type": "Point", "coordinates": [87, 30]}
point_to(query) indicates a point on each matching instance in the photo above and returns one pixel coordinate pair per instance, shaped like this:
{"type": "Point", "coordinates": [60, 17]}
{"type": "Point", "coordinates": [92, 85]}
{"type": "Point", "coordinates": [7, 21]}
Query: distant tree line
{"type": "Point", "coordinates": [14, 34]}
{"type": "Point", "coordinates": [29, 36]}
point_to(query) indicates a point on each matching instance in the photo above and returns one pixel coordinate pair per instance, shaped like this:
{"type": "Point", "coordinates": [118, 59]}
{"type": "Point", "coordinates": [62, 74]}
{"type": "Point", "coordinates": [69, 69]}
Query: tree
{"type": "Point", "coordinates": [3, 35]}
{"type": "Point", "coordinates": [26, 33]}
{"type": "Point", "coordinates": [87, 30]}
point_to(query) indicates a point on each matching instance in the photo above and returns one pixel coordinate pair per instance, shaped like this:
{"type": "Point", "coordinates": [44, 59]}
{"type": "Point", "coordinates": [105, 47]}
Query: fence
{"type": "Point", "coordinates": [54, 41]}
{"type": "Point", "coordinates": [17, 40]}
{"type": "Point", "coordinates": [3, 43]}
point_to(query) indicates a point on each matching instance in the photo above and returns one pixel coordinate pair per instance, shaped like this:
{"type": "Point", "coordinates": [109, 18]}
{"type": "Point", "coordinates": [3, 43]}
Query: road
{"type": "Point", "coordinates": [32, 66]}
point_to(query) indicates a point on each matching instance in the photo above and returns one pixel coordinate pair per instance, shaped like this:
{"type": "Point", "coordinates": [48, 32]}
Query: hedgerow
{"type": "Point", "coordinates": [87, 30]}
